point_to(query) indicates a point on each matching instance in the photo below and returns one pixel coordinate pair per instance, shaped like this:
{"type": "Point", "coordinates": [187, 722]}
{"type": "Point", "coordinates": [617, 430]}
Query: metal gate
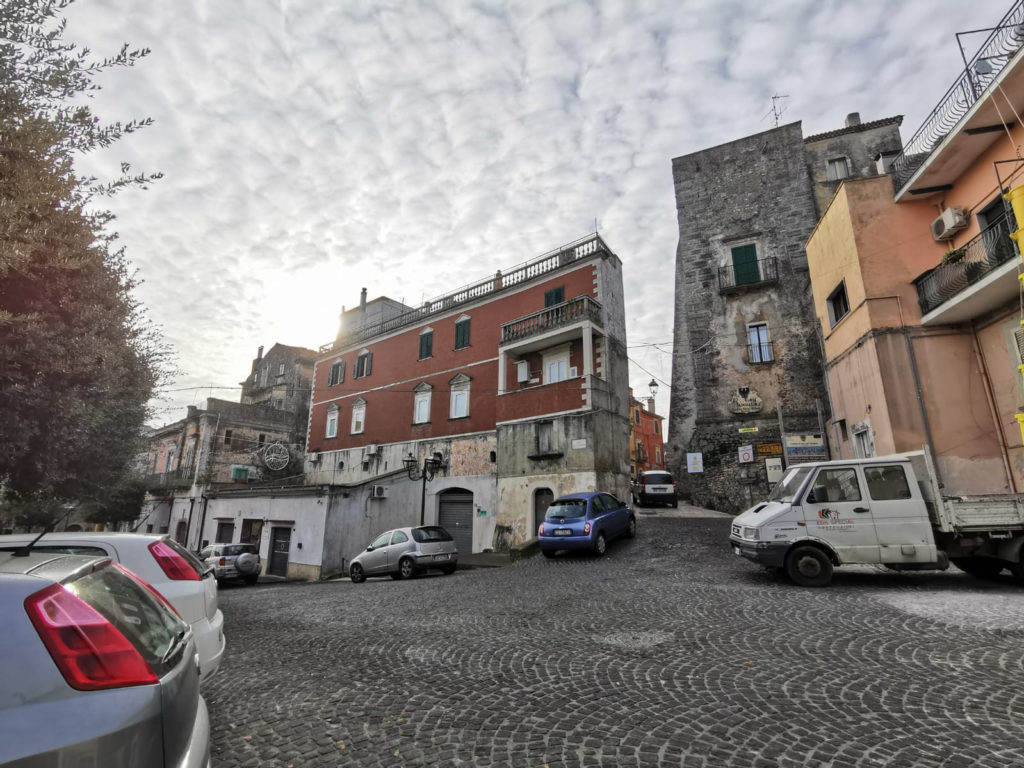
{"type": "Point", "coordinates": [280, 544]}
{"type": "Point", "coordinates": [456, 517]}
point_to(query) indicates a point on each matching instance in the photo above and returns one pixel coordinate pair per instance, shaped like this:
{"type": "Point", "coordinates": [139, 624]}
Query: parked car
{"type": "Point", "coordinates": [655, 487]}
{"type": "Point", "coordinates": [404, 552]}
{"type": "Point", "coordinates": [187, 582]}
{"type": "Point", "coordinates": [584, 521]}
{"type": "Point", "coordinates": [97, 668]}
{"type": "Point", "coordinates": [233, 561]}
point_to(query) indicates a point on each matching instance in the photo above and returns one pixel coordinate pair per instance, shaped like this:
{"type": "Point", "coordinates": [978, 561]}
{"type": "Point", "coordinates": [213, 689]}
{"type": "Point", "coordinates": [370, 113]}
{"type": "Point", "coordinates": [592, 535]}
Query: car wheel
{"type": "Point", "coordinates": [548, 553]}
{"type": "Point", "coordinates": [252, 580]}
{"type": "Point", "coordinates": [355, 572]}
{"type": "Point", "coordinates": [406, 570]}
{"type": "Point", "coordinates": [247, 564]}
{"type": "Point", "coordinates": [600, 544]}
{"type": "Point", "coordinates": [809, 567]}
{"type": "Point", "coordinates": [448, 570]}
{"type": "Point", "coordinates": [981, 567]}
{"type": "Point", "coordinates": [631, 530]}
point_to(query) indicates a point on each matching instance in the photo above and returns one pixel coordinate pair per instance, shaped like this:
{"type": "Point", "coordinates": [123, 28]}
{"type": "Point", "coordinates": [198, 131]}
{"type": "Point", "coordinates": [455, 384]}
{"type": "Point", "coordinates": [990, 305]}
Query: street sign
{"type": "Point", "coordinates": [694, 463]}
{"type": "Point", "coordinates": [746, 454]}
{"type": "Point", "coordinates": [774, 469]}
{"type": "Point", "coordinates": [805, 448]}
{"type": "Point", "coordinates": [768, 449]}
{"type": "Point", "coordinates": [745, 430]}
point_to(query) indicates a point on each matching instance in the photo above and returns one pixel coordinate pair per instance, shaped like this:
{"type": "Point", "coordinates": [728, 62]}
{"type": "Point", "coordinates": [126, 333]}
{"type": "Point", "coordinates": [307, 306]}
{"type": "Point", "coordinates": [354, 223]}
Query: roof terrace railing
{"type": "Point", "coordinates": [549, 318]}
{"type": "Point", "coordinates": [530, 270]}
{"type": "Point", "coordinates": [998, 49]}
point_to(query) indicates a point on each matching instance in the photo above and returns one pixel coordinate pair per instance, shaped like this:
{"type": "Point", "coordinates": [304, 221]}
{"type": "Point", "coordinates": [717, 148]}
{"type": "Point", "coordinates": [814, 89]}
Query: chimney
{"type": "Point", "coordinates": [853, 119]}
{"type": "Point", "coordinates": [259, 353]}
{"type": "Point", "coordinates": [650, 405]}
{"type": "Point", "coordinates": [362, 301]}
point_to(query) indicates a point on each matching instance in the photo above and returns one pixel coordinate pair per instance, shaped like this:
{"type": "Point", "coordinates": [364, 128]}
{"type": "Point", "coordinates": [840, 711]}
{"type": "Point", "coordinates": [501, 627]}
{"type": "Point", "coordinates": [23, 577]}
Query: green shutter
{"type": "Point", "coordinates": [744, 264]}
{"type": "Point", "coordinates": [426, 345]}
{"type": "Point", "coordinates": [462, 334]}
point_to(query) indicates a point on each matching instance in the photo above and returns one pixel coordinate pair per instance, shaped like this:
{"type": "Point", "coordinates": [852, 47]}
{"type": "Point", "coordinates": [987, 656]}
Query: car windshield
{"type": "Point", "coordinates": [567, 508]}
{"type": "Point", "coordinates": [431, 533]}
{"type": "Point", "coordinates": [789, 485]}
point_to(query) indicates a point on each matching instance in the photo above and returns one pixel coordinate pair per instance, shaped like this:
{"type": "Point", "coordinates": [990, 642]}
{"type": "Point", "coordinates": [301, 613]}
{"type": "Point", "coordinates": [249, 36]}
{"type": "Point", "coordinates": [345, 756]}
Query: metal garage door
{"type": "Point", "coordinates": [456, 517]}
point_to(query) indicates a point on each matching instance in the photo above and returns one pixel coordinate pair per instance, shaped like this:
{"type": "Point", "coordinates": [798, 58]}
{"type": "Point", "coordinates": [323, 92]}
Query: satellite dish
{"type": "Point", "coordinates": [276, 456]}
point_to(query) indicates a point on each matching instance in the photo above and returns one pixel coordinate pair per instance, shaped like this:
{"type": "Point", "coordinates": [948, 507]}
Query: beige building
{"type": "Point", "coordinates": [915, 286]}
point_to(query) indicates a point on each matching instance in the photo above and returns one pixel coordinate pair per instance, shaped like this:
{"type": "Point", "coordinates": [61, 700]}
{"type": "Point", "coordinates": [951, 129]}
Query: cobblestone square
{"type": "Point", "coordinates": [669, 651]}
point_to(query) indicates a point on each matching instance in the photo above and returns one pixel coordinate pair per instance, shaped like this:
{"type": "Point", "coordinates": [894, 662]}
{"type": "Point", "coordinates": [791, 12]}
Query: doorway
{"type": "Point", "coordinates": [456, 517]}
{"type": "Point", "coordinates": [542, 499]}
{"type": "Point", "coordinates": [280, 545]}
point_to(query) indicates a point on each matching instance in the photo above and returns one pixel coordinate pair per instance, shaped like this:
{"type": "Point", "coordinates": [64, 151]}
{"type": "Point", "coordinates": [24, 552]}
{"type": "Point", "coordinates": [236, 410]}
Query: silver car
{"type": "Point", "coordinates": [233, 561]}
{"type": "Point", "coordinates": [177, 574]}
{"type": "Point", "coordinates": [403, 552]}
{"type": "Point", "coordinates": [96, 669]}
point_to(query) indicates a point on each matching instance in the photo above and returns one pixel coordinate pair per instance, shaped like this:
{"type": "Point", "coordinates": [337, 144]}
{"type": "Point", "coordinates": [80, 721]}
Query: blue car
{"type": "Point", "coordinates": [584, 522]}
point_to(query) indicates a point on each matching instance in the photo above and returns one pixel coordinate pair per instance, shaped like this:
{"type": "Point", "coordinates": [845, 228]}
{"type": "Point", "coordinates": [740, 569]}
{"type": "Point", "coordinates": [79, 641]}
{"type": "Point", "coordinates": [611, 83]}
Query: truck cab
{"type": "Point", "coordinates": [822, 515]}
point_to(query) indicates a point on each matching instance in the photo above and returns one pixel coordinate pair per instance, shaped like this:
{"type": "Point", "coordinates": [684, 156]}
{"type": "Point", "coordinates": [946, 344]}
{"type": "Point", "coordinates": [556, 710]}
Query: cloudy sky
{"type": "Point", "coordinates": [314, 147]}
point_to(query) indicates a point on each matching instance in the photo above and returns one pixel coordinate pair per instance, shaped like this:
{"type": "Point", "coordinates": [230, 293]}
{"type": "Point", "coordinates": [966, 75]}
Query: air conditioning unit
{"type": "Point", "coordinates": [951, 221]}
{"type": "Point", "coordinates": [378, 492]}
{"type": "Point", "coordinates": [371, 449]}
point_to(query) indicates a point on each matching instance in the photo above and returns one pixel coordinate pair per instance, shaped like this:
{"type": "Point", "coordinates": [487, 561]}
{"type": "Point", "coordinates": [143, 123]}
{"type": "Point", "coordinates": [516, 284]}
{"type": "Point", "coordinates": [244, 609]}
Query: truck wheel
{"type": "Point", "coordinates": [986, 568]}
{"type": "Point", "coordinates": [809, 567]}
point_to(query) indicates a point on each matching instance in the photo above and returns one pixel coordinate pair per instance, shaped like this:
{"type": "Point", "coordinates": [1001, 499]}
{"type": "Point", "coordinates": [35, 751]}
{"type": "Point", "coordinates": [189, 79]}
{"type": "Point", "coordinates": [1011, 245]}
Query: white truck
{"type": "Point", "coordinates": [884, 510]}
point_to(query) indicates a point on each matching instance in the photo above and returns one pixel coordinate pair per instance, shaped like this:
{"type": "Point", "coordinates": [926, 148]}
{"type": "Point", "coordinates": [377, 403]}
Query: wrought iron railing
{"type": "Point", "coordinates": [966, 265]}
{"type": "Point", "coordinates": [735, 276]}
{"type": "Point", "coordinates": [580, 249]}
{"type": "Point", "coordinates": [566, 313]}
{"type": "Point", "coordinates": [168, 480]}
{"type": "Point", "coordinates": [997, 50]}
{"type": "Point", "coordinates": [760, 353]}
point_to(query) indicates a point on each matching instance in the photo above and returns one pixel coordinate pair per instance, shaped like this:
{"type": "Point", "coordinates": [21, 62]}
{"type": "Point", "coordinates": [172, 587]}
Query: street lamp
{"type": "Point", "coordinates": [431, 465]}
{"type": "Point", "coordinates": [654, 388]}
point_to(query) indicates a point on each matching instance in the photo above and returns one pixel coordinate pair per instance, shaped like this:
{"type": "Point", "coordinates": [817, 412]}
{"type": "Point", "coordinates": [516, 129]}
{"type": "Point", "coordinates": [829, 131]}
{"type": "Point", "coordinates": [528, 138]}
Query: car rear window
{"type": "Point", "coordinates": [567, 508]}
{"type": "Point", "coordinates": [658, 478]}
{"type": "Point", "coordinates": [240, 549]}
{"type": "Point", "coordinates": [147, 624]}
{"type": "Point", "coordinates": [64, 549]}
{"type": "Point", "coordinates": [431, 533]}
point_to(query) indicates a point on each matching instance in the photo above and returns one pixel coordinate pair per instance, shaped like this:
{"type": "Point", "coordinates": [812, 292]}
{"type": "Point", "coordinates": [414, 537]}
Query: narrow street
{"type": "Point", "coordinates": [669, 651]}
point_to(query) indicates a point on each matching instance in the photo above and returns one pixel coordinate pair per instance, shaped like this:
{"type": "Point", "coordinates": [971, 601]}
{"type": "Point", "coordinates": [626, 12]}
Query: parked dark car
{"type": "Point", "coordinates": [96, 668]}
{"type": "Point", "coordinates": [584, 521]}
{"type": "Point", "coordinates": [404, 552]}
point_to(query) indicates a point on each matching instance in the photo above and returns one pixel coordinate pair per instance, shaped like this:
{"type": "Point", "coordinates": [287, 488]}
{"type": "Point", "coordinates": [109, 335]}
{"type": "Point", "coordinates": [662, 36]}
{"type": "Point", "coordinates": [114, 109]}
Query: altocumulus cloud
{"type": "Point", "coordinates": [313, 148]}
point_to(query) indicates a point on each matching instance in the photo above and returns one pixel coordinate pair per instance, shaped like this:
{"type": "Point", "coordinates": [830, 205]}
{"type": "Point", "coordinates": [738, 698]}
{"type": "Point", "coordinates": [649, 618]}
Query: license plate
{"type": "Point", "coordinates": [563, 532]}
{"type": "Point", "coordinates": [735, 550]}
{"type": "Point", "coordinates": [441, 557]}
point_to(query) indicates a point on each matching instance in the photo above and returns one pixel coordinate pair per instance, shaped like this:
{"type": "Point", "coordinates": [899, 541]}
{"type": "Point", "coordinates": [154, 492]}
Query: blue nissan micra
{"type": "Point", "coordinates": [584, 521]}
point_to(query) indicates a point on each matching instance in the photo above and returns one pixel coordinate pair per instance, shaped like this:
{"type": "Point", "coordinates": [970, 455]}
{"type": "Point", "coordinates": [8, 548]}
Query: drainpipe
{"type": "Point", "coordinates": [188, 527]}
{"type": "Point", "coordinates": [202, 520]}
{"type": "Point", "coordinates": [987, 386]}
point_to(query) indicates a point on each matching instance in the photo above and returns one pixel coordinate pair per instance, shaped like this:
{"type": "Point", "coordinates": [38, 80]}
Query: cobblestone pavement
{"type": "Point", "coordinates": [669, 651]}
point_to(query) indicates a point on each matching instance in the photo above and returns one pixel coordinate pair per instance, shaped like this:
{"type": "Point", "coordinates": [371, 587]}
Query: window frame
{"type": "Point", "coordinates": [554, 296]}
{"type": "Point", "coordinates": [840, 290]}
{"type": "Point", "coordinates": [458, 386]}
{"type": "Point", "coordinates": [364, 364]}
{"type": "Point", "coordinates": [753, 267]}
{"type": "Point", "coordinates": [358, 417]}
{"type": "Point", "coordinates": [422, 394]}
{"type": "Point", "coordinates": [426, 350]}
{"type": "Point", "coordinates": [554, 357]}
{"type": "Point", "coordinates": [462, 332]}
{"type": "Point", "coordinates": [760, 347]}
{"type": "Point", "coordinates": [336, 375]}
{"type": "Point", "coordinates": [834, 162]}
{"type": "Point", "coordinates": [331, 424]}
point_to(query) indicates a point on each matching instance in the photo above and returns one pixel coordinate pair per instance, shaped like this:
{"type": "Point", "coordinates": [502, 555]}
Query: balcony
{"type": "Point", "coordinates": [978, 276]}
{"type": "Point", "coordinates": [761, 353]}
{"type": "Point", "coordinates": [738, 277]}
{"type": "Point", "coordinates": [167, 481]}
{"type": "Point", "coordinates": [966, 122]}
{"type": "Point", "coordinates": [536, 268]}
{"type": "Point", "coordinates": [568, 313]}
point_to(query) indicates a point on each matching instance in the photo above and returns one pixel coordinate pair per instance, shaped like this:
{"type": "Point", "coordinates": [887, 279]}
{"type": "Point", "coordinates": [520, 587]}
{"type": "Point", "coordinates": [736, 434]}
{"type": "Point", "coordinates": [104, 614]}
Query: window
{"type": "Point", "coordinates": [227, 437]}
{"type": "Point", "coordinates": [381, 541]}
{"type": "Point", "coordinates": [462, 332]}
{"type": "Point", "coordinates": [459, 387]}
{"type": "Point", "coordinates": [837, 168]}
{"type": "Point", "coordinates": [657, 455]}
{"type": "Point", "coordinates": [426, 343]}
{"type": "Point", "coordinates": [363, 364]}
{"type": "Point", "coordinates": [544, 444]}
{"type": "Point", "coordinates": [744, 264]}
{"type": "Point", "coordinates": [358, 416]}
{"type": "Point", "coordinates": [838, 304]}
{"type": "Point", "coordinates": [657, 427]}
{"type": "Point", "coordinates": [842, 429]}
{"type": "Point", "coordinates": [280, 370]}
{"type": "Point", "coordinates": [863, 440]}
{"type": "Point", "coordinates": [332, 422]}
{"type": "Point", "coordinates": [522, 371]}
{"type": "Point", "coordinates": [225, 533]}
{"type": "Point", "coordinates": [554, 296]}
{"type": "Point", "coordinates": [252, 530]}
{"type": "Point", "coordinates": [556, 365]}
{"type": "Point", "coordinates": [421, 403]}
{"type": "Point", "coordinates": [636, 415]}
{"type": "Point", "coordinates": [832, 485]}
{"type": "Point", "coordinates": [239, 473]}
{"type": "Point", "coordinates": [337, 374]}
{"type": "Point", "coordinates": [399, 538]}
{"type": "Point", "coordinates": [760, 347]}
{"type": "Point", "coordinates": [263, 376]}
{"type": "Point", "coordinates": [263, 439]}
{"type": "Point", "coordinates": [278, 404]}
{"type": "Point", "coordinates": [887, 483]}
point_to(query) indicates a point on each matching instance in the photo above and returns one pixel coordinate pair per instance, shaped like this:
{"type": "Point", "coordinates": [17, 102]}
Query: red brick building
{"type": "Point", "coordinates": [514, 388]}
{"type": "Point", "coordinates": [646, 446]}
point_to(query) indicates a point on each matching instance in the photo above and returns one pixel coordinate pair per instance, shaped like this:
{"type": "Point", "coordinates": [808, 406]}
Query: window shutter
{"type": "Point", "coordinates": [426, 345]}
{"type": "Point", "coordinates": [369, 363]}
{"type": "Point", "coordinates": [462, 334]}
{"type": "Point", "coordinates": [554, 296]}
{"type": "Point", "coordinates": [341, 371]}
{"type": "Point", "coordinates": [744, 264]}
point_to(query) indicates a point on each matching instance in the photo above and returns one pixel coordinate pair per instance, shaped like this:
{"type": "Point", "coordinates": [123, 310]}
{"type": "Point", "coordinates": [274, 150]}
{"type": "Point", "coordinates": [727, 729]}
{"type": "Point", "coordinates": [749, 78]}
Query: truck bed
{"type": "Point", "coordinates": [965, 514]}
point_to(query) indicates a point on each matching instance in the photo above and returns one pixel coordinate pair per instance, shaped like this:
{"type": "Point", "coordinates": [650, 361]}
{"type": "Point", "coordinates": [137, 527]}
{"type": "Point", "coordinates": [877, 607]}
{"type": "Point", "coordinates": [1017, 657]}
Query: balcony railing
{"type": "Point", "coordinates": [966, 265]}
{"type": "Point", "coordinates": [997, 50]}
{"type": "Point", "coordinates": [550, 318]}
{"type": "Point", "coordinates": [168, 480]}
{"type": "Point", "coordinates": [760, 353]}
{"type": "Point", "coordinates": [735, 277]}
{"type": "Point", "coordinates": [580, 249]}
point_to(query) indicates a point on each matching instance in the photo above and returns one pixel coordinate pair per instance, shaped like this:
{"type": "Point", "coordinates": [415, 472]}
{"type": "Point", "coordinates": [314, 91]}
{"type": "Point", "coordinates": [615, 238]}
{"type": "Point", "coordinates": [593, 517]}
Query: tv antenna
{"type": "Point", "coordinates": [776, 109]}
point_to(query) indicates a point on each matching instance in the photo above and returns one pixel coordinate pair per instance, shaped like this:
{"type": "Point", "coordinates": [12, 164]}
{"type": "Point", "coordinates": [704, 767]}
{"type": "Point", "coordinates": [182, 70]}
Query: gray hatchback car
{"type": "Point", "coordinates": [96, 668]}
{"type": "Point", "coordinates": [403, 552]}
